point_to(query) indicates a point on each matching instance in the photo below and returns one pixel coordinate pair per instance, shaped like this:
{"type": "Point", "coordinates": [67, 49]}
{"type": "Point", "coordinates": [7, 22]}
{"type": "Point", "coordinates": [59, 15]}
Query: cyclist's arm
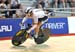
{"type": "Point", "coordinates": [24, 19]}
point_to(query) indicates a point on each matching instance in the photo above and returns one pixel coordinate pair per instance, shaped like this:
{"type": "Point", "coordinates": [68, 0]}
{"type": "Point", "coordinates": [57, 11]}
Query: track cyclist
{"type": "Point", "coordinates": [38, 17]}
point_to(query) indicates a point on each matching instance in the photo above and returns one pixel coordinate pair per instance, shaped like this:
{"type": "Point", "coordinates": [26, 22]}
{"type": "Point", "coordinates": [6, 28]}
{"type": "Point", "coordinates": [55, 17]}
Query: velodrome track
{"type": "Point", "coordinates": [54, 44]}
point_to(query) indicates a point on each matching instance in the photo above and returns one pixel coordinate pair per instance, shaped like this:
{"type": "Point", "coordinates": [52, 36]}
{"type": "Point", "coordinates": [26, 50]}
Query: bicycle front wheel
{"type": "Point", "coordinates": [19, 37]}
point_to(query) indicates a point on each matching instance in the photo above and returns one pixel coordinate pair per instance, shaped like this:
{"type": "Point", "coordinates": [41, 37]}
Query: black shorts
{"type": "Point", "coordinates": [42, 19]}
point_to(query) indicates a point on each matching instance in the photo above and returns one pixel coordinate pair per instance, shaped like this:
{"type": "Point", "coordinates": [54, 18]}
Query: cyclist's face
{"type": "Point", "coordinates": [29, 15]}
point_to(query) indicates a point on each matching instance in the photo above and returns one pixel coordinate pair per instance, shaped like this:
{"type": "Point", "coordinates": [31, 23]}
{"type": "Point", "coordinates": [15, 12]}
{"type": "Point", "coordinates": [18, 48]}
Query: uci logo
{"type": "Point", "coordinates": [6, 28]}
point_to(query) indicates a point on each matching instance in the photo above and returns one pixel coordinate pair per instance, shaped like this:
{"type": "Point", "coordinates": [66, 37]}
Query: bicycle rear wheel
{"type": "Point", "coordinates": [44, 35]}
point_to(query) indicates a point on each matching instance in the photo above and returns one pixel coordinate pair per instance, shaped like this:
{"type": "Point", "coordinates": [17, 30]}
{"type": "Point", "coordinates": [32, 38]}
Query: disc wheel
{"type": "Point", "coordinates": [43, 36]}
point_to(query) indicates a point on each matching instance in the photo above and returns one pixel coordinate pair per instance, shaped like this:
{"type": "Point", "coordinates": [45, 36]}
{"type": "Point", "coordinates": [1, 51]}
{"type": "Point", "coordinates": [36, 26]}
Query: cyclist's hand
{"type": "Point", "coordinates": [28, 31]}
{"type": "Point", "coordinates": [21, 24]}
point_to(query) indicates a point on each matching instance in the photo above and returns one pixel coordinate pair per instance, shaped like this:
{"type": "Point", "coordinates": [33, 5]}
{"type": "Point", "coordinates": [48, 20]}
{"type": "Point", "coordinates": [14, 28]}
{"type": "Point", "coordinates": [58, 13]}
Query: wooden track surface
{"type": "Point", "coordinates": [54, 44]}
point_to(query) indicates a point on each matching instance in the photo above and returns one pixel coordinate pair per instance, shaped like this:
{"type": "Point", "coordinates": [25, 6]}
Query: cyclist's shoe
{"type": "Point", "coordinates": [36, 36]}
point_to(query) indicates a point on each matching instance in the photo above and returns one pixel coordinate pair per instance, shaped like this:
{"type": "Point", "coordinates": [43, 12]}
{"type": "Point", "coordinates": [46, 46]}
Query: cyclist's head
{"type": "Point", "coordinates": [28, 10]}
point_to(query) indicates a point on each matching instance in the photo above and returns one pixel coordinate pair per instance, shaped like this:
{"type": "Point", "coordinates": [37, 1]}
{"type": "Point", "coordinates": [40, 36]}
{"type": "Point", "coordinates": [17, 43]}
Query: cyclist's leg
{"type": "Point", "coordinates": [37, 29]}
{"type": "Point", "coordinates": [41, 21]}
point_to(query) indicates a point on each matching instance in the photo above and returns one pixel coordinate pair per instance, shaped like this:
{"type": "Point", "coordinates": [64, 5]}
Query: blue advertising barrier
{"type": "Point", "coordinates": [57, 25]}
{"type": "Point", "coordinates": [8, 27]}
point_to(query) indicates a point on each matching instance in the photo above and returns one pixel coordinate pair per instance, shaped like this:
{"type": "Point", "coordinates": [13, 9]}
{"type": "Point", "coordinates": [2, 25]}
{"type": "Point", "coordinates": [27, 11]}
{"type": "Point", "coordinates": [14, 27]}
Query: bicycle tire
{"type": "Point", "coordinates": [19, 37]}
{"type": "Point", "coordinates": [44, 35]}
